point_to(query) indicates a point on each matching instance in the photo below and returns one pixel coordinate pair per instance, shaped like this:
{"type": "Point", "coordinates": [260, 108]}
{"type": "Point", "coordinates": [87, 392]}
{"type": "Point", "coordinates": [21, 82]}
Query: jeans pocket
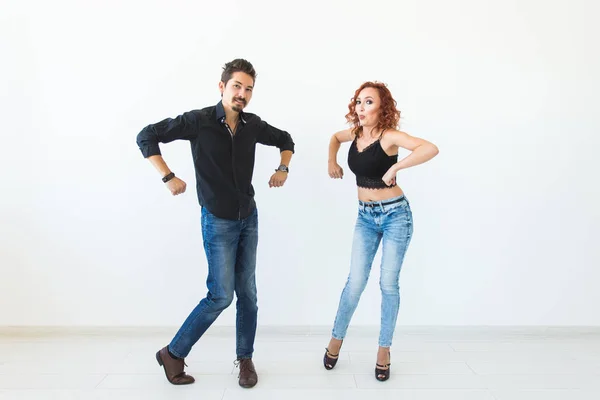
{"type": "Point", "coordinates": [399, 208]}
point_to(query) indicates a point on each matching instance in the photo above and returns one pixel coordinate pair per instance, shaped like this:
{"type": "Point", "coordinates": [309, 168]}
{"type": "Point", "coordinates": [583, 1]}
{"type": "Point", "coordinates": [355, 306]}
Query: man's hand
{"type": "Point", "coordinates": [278, 179]}
{"type": "Point", "coordinates": [176, 186]}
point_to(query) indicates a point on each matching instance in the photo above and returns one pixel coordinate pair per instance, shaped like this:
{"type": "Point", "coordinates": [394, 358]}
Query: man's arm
{"type": "Point", "coordinates": [271, 136]}
{"type": "Point", "coordinates": [165, 131]}
{"type": "Point", "coordinates": [174, 184]}
{"type": "Point", "coordinates": [279, 177]}
{"type": "Point", "coordinates": [286, 157]}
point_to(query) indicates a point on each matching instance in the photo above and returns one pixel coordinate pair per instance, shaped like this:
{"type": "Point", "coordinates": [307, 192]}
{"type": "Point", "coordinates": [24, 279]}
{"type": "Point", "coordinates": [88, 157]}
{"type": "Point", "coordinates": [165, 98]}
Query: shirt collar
{"type": "Point", "coordinates": [221, 113]}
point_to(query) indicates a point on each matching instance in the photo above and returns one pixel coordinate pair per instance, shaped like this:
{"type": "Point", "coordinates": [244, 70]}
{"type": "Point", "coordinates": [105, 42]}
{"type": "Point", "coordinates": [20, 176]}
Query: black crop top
{"type": "Point", "coordinates": [370, 165]}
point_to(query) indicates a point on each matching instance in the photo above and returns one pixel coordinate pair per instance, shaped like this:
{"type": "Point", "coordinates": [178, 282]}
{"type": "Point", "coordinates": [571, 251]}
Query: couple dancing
{"type": "Point", "coordinates": [223, 139]}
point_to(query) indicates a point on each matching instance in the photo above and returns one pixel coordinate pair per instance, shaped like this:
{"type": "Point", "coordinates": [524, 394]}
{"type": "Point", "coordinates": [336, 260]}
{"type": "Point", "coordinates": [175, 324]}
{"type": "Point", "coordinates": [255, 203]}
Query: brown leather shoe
{"type": "Point", "coordinates": [247, 376]}
{"type": "Point", "coordinates": [173, 368]}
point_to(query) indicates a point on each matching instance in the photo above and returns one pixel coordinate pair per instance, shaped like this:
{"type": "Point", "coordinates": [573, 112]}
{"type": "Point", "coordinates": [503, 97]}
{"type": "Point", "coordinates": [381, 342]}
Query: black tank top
{"type": "Point", "coordinates": [370, 165]}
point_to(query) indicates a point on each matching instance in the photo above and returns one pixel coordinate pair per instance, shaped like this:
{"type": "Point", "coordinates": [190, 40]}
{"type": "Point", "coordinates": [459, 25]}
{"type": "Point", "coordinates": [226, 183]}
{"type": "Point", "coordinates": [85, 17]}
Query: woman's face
{"type": "Point", "coordinates": [367, 107]}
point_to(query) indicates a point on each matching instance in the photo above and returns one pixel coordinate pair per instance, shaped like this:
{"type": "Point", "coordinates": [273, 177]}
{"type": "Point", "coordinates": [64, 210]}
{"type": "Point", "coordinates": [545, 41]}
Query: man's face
{"type": "Point", "coordinates": [237, 92]}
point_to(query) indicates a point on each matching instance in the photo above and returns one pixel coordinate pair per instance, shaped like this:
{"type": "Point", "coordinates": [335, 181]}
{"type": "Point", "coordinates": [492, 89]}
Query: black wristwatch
{"type": "Point", "coordinates": [282, 168]}
{"type": "Point", "coordinates": [168, 177]}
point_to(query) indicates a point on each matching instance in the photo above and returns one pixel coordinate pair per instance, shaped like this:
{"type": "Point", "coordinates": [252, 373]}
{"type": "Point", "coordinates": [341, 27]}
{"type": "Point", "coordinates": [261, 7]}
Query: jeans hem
{"type": "Point", "coordinates": [175, 353]}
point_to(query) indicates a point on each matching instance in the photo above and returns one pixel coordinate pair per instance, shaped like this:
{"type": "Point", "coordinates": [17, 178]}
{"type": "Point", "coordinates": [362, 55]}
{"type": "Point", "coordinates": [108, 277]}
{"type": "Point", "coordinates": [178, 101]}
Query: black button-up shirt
{"type": "Point", "coordinates": [224, 163]}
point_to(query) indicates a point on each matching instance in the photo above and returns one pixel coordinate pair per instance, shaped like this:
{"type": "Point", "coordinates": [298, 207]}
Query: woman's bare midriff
{"type": "Point", "coordinates": [365, 194]}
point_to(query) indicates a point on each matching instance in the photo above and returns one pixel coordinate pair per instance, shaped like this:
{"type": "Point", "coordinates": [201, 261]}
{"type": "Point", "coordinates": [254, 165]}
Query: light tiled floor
{"type": "Point", "coordinates": [427, 363]}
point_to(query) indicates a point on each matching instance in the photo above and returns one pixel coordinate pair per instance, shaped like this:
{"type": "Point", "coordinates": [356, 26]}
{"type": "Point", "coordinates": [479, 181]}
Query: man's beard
{"type": "Point", "coordinates": [237, 107]}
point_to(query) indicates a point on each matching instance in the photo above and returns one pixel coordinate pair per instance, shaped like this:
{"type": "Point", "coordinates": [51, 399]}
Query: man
{"type": "Point", "coordinates": [223, 140]}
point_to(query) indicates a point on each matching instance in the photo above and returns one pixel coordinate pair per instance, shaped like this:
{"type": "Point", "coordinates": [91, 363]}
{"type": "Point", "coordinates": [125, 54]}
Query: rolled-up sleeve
{"type": "Point", "coordinates": [271, 136]}
{"type": "Point", "coordinates": [183, 126]}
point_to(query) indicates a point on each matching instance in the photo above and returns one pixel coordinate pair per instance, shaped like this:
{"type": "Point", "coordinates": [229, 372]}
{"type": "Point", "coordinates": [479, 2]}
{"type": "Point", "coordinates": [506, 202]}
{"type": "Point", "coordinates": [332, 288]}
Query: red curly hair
{"type": "Point", "coordinates": [389, 116]}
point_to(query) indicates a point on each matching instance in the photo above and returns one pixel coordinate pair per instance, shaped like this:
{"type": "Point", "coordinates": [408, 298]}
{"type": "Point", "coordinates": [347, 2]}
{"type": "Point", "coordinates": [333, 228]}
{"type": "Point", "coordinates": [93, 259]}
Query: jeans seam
{"type": "Point", "coordinates": [187, 330]}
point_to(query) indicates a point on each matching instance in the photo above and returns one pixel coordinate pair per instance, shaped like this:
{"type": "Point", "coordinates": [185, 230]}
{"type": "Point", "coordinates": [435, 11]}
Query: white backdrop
{"type": "Point", "coordinates": [505, 217]}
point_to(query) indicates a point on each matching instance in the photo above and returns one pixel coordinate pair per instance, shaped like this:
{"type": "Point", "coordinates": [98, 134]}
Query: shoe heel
{"type": "Point", "coordinates": [158, 359]}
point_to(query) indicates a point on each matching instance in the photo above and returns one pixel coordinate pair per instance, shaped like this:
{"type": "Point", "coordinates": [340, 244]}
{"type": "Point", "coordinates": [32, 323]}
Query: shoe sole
{"type": "Point", "coordinates": [248, 386]}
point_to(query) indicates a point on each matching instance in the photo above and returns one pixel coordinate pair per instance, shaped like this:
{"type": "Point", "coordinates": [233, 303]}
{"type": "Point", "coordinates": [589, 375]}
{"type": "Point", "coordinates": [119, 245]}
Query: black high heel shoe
{"type": "Point", "coordinates": [382, 372]}
{"type": "Point", "coordinates": [329, 360]}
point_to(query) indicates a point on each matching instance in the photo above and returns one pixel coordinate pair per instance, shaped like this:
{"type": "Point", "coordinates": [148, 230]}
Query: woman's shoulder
{"type": "Point", "coordinates": [388, 131]}
{"type": "Point", "coordinates": [346, 135]}
{"type": "Point", "coordinates": [391, 134]}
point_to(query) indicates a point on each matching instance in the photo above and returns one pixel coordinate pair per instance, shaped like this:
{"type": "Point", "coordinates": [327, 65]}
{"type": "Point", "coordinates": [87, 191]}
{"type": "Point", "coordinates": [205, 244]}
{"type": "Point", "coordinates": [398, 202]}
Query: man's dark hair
{"type": "Point", "coordinates": [237, 65]}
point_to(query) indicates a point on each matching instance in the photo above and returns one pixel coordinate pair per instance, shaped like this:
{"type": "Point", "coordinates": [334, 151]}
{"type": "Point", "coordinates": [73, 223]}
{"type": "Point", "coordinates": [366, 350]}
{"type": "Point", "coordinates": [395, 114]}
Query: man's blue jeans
{"type": "Point", "coordinates": [230, 248]}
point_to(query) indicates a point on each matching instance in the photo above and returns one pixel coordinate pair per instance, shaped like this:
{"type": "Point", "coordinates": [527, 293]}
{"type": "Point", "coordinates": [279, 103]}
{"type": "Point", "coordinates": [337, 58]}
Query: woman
{"type": "Point", "coordinates": [383, 212]}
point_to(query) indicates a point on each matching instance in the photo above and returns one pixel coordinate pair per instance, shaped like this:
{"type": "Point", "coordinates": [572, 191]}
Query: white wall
{"type": "Point", "coordinates": [505, 217]}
